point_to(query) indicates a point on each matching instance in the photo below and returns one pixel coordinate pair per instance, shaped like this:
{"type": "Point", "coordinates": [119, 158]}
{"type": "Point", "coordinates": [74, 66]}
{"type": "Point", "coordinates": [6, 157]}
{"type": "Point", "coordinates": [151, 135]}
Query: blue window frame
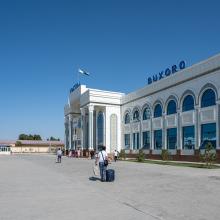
{"type": "Point", "coordinates": [157, 111]}
{"type": "Point", "coordinates": [136, 115]}
{"type": "Point", "coordinates": [158, 139]}
{"type": "Point", "coordinates": [146, 140]}
{"type": "Point", "coordinates": [146, 113]}
{"type": "Point", "coordinates": [100, 128]}
{"type": "Point", "coordinates": [171, 138]}
{"type": "Point", "coordinates": [135, 141]}
{"type": "Point", "coordinates": [171, 107]}
{"type": "Point", "coordinates": [127, 118]}
{"type": "Point", "coordinates": [188, 138]}
{"type": "Point", "coordinates": [127, 141]}
{"type": "Point", "coordinates": [208, 134]}
{"type": "Point", "coordinates": [208, 98]}
{"type": "Point", "coordinates": [188, 103]}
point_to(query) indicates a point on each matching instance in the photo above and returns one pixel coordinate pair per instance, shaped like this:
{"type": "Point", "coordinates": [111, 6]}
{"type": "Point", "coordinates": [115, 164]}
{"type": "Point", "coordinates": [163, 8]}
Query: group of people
{"type": "Point", "coordinates": [75, 153]}
{"type": "Point", "coordinates": [60, 153]}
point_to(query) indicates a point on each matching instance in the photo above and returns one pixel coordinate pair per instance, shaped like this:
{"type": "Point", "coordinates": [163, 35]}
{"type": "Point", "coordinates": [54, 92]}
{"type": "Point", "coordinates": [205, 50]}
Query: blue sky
{"type": "Point", "coordinates": [120, 42]}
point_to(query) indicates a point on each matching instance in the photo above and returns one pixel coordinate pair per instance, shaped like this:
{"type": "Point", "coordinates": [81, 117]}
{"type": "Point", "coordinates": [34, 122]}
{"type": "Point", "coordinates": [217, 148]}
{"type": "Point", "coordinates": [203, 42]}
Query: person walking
{"type": "Point", "coordinates": [115, 155]}
{"type": "Point", "coordinates": [101, 158]}
{"type": "Point", "coordinates": [78, 153]}
{"type": "Point", "coordinates": [59, 155]}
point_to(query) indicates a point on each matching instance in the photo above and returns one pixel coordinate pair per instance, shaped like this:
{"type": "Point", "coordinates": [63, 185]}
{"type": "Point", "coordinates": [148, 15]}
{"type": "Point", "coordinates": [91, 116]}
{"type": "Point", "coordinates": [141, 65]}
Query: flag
{"type": "Point", "coordinates": [83, 72]}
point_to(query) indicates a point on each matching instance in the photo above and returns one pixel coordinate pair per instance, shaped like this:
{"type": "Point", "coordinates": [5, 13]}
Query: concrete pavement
{"type": "Point", "coordinates": [35, 187]}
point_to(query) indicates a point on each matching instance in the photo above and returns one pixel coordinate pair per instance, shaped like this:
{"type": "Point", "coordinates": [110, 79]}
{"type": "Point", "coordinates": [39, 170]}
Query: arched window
{"type": "Point", "coordinates": [188, 103]}
{"type": "Point", "coordinates": [136, 115]}
{"type": "Point", "coordinates": [171, 107]}
{"type": "Point", "coordinates": [208, 98]}
{"type": "Point", "coordinates": [146, 113]}
{"type": "Point", "coordinates": [157, 111]}
{"type": "Point", "coordinates": [127, 118]}
{"type": "Point", "coordinates": [100, 128]}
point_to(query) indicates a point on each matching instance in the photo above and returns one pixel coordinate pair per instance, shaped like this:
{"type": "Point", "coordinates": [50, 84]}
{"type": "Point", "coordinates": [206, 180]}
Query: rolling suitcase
{"type": "Point", "coordinates": [110, 175]}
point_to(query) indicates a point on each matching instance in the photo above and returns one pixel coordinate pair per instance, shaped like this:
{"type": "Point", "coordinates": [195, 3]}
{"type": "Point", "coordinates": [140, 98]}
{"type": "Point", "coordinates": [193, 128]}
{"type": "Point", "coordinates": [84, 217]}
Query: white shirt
{"type": "Point", "coordinates": [59, 153]}
{"type": "Point", "coordinates": [105, 155]}
{"type": "Point", "coordinates": [116, 153]}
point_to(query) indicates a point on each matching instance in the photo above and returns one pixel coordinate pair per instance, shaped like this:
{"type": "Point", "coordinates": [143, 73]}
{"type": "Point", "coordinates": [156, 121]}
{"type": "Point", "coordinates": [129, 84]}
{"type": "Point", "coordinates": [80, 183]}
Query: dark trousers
{"type": "Point", "coordinates": [115, 157]}
{"type": "Point", "coordinates": [59, 159]}
{"type": "Point", "coordinates": [102, 168]}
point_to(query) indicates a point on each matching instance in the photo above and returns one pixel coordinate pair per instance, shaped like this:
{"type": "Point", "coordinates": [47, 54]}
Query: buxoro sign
{"type": "Point", "coordinates": [75, 86]}
{"type": "Point", "coordinates": [167, 72]}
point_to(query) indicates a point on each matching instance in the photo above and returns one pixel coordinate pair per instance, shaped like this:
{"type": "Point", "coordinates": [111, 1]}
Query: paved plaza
{"type": "Point", "coordinates": [36, 187]}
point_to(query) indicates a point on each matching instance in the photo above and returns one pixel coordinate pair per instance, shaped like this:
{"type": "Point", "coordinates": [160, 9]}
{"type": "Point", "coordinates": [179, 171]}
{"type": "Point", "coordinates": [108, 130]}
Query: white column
{"type": "Point", "coordinates": [66, 126]}
{"type": "Point", "coordinates": [218, 126]}
{"type": "Point", "coordinates": [70, 132]}
{"type": "Point", "coordinates": [119, 131]}
{"type": "Point", "coordinates": [106, 139]}
{"type": "Point", "coordinates": [91, 109]}
{"type": "Point", "coordinates": [131, 137]}
{"type": "Point", "coordinates": [141, 135]}
{"type": "Point", "coordinates": [197, 128]}
{"type": "Point", "coordinates": [179, 130]}
{"type": "Point", "coordinates": [164, 132]}
{"type": "Point", "coordinates": [82, 126]}
{"type": "Point", "coordinates": [151, 134]}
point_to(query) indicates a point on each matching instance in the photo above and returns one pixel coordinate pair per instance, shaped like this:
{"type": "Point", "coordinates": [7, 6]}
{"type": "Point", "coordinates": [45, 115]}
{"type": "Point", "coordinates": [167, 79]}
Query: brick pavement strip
{"type": "Point", "coordinates": [35, 187]}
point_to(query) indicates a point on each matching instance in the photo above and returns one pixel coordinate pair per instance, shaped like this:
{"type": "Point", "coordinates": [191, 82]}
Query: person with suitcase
{"type": "Point", "coordinates": [103, 163]}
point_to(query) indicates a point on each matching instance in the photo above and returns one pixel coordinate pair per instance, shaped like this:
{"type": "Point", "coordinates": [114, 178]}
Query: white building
{"type": "Point", "coordinates": [180, 112]}
{"type": "Point", "coordinates": [5, 149]}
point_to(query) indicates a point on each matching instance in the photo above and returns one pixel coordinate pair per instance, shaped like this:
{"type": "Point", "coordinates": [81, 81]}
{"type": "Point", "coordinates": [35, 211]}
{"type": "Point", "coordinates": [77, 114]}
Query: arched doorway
{"type": "Point", "coordinates": [100, 129]}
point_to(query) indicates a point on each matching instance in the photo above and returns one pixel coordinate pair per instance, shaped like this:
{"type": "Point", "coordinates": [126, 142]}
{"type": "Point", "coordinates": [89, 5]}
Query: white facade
{"type": "Point", "coordinates": [85, 106]}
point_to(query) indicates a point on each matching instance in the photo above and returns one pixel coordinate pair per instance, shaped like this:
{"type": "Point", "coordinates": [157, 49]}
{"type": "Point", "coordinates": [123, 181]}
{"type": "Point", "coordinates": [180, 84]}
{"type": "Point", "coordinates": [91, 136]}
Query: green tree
{"type": "Point", "coordinates": [209, 156]}
{"type": "Point", "coordinates": [54, 139]}
{"type": "Point", "coordinates": [37, 137]}
{"type": "Point", "coordinates": [122, 154]}
{"type": "Point", "coordinates": [29, 137]}
{"type": "Point", "coordinates": [141, 156]}
{"type": "Point", "coordinates": [165, 154]}
{"type": "Point", "coordinates": [18, 143]}
{"type": "Point", "coordinates": [22, 137]}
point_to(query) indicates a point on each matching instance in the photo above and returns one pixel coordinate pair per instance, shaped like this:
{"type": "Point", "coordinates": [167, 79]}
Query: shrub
{"type": "Point", "coordinates": [122, 154]}
{"type": "Point", "coordinates": [140, 156]}
{"type": "Point", "coordinates": [165, 154]}
{"type": "Point", "coordinates": [209, 156]}
{"type": "Point", "coordinates": [18, 143]}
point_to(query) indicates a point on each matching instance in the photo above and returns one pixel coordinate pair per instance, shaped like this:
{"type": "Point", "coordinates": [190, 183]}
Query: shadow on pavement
{"type": "Point", "coordinates": [92, 178]}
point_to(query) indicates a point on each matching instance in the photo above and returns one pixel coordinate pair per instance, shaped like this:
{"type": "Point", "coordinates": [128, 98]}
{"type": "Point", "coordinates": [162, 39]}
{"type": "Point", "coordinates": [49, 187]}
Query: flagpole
{"type": "Point", "coordinates": [80, 71]}
{"type": "Point", "coordinates": [78, 77]}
